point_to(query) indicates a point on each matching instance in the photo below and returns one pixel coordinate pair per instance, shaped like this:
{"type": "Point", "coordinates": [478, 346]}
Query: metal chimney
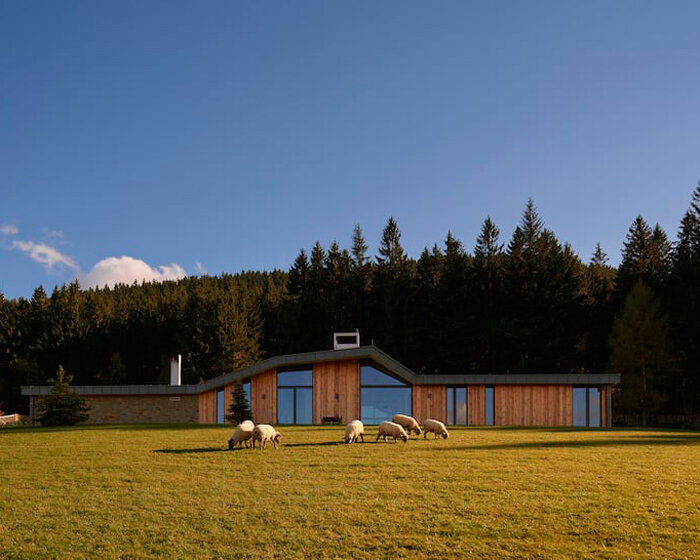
{"type": "Point", "coordinates": [176, 370]}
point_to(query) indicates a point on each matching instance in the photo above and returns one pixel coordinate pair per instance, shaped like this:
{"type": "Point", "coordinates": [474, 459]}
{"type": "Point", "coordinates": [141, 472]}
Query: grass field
{"type": "Point", "coordinates": [177, 492]}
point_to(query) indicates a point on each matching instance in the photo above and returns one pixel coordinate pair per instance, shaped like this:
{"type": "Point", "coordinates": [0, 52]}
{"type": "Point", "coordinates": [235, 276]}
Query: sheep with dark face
{"type": "Point", "coordinates": [354, 430]}
{"type": "Point", "coordinates": [264, 433]}
{"type": "Point", "coordinates": [408, 422]}
{"type": "Point", "coordinates": [392, 429]}
{"type": "Point", "coordinates": [241, 435]}
{"type": "Point", "coordinates": [436, 427]}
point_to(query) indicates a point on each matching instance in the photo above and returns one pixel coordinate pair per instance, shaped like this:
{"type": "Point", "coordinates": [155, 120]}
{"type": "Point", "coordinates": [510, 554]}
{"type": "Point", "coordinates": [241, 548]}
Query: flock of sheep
{"type": "Point", "coordinates": [399, 428]}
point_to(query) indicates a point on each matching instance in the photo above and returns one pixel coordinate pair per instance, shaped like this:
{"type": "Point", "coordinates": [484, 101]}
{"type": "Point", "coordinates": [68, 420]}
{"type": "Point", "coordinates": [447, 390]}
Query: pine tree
{"type": "Point", "coordinates": [488, 295]}
{"type": "Point", "coordinates": [640, 350]}
{"type": "Point", "coordinates": [684, 298]}
{"type": "Point", "coordinates": [239, 409]}
{"type": "Point", "coordinates": [62, 407]}
{"type": "Point", "coordinates": [359, 247]}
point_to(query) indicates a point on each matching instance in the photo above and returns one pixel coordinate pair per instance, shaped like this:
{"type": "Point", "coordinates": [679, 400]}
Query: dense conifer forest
{"type": "Point", "coordinates": [522, 305]}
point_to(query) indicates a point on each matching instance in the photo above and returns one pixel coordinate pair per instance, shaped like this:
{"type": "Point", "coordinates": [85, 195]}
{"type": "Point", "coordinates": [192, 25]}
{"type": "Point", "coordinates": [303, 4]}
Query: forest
{"type": "Point", "coordinates": [528, 304]}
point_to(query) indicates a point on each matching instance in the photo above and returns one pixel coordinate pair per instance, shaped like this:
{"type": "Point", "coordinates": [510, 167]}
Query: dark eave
{"type": "Point", "coordinates": [366, 353]}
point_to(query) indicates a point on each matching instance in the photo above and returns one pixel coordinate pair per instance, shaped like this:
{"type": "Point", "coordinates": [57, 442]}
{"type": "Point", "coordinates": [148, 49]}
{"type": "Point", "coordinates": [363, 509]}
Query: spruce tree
{"type": "Point", "coordinates": [640, 350]}
{"type": "Point", "coordinates": [62, 407]}
{"type": "Point", "coordinates": [239, 409]}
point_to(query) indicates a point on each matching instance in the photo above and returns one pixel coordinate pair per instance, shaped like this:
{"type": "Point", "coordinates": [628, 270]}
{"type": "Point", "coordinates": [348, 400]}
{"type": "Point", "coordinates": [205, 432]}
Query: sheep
{"type": "Point", "coordinates": [392, 429]}
{"type": "Point", "coordinates": [435, 426]}
{"type": "Point", "coordinates": [408, 422]}
{"type": "Point", "coordinates": [264, 433]}
{"type": "Point", "coordinates": [353, 430]}
{"type": "Point", "coordinates": [241, 435]}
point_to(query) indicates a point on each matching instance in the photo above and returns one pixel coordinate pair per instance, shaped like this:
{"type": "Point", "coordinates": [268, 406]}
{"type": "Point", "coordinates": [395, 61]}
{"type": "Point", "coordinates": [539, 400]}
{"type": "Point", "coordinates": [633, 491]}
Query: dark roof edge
{"type": "Point", "coordinates": [363, 352]}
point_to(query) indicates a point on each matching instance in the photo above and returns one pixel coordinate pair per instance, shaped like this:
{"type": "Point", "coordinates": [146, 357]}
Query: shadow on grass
{"type": "Point", "coordinates": [194, 450]}
{"type": "Point", "coordinates": [641, 440]}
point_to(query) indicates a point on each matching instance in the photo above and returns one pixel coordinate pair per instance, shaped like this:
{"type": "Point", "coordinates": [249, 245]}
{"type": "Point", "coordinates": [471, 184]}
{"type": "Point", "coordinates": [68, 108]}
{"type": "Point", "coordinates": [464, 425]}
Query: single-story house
{"type": "Point", "coordinates": [356, 382]}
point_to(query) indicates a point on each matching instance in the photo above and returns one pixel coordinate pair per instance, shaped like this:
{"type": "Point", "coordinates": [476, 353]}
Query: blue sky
{"type": "Point", "coordinates": [156, 139]}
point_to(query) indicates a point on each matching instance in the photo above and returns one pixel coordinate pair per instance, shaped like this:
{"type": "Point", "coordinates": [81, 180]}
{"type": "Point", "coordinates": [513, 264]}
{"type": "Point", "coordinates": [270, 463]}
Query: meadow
{"type": "Point", "coordinates": [177, 492]}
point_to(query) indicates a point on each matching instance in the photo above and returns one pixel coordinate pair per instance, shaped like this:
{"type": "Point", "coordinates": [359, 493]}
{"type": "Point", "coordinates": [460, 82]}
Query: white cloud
{"type": "Point", "coordinates": [52, 233]}
{"type": "Point", "coordinates": [126, 270]}
{"type": "Point", "coordinates": [45, 255]}
{"type": "Point", "coordinates": [9, 230]}
{"type": "Point", "coordinates": [200, 268]}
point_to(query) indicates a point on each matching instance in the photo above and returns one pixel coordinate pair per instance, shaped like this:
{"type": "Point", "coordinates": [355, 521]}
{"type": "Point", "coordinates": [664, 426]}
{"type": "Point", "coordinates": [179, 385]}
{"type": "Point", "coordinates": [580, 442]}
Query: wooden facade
{"type": "Point", "coordinates": [429, 401]}
{"type": "Point", "coordinates": [336, 390]}
{"type": "Point", "coordinates": [533, 405]}
{"type": "Point", "coordinates": [263, 397]}
{"type": "Point", "coordinates": [207, 407]}
{"type": "Point", "coordinates": [476, 405]}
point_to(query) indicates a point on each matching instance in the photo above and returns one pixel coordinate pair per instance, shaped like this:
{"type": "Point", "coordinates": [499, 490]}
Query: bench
{"type": "Point", "coordinates": [332, 420]}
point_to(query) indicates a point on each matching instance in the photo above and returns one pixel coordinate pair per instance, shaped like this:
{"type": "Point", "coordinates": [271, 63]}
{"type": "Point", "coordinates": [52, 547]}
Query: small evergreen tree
{"type": "Point", "coordinates": [238, 410]}
{"type": "Point", "coordinates": [62, 407]}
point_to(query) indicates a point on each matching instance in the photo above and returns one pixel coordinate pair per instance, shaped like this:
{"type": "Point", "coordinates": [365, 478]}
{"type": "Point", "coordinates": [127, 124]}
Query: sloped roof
{"type": "Point", "coordinates": [365, 353]}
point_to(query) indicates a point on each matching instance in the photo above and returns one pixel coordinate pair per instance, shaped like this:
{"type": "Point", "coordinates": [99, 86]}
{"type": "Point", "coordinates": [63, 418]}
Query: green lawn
{"type": "Point", "coordinates": [177, 492]}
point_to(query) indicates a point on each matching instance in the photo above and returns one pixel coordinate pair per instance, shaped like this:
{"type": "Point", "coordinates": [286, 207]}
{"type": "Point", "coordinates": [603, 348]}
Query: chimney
{"type": "Point", "coordinates": [176, 370]}
{"type": "Point", "coordinates": [345, 340]}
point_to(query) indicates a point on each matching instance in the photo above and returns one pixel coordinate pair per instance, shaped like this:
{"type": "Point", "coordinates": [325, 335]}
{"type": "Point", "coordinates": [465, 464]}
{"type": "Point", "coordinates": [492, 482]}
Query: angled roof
{"type": "Point", "coordinates": [365, 353]}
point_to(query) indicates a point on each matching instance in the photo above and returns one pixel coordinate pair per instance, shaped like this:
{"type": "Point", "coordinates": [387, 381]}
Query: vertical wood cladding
{"type": "Point", "coordinates": [476, 415]}
{"type": "Point", "coordinates": [340, 378]}
{"type": "Point", "coordinates": [207, 407]}
{"type": "Point", "coordinates": [429, 401]}
{"type": "Point", "coordinates": [603, 406]}
{"type": "Point", "coordinates": [533, 405]}
{"type": "Point", "coordinates": [263, 397]}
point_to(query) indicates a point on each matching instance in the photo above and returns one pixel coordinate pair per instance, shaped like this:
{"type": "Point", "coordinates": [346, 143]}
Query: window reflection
{"type": "Point", "coordinates": [381, 403]}
{"type": "Point", "coordinates": [457, 405]}
{"type": "Point", "coordinates": [489, 406]}
{"type": "Point", "coordinates": [372, 376]}
{"type": "Point", "coordinates": [295, 378]}
{"type": "Point", "coordinates": [295, 397]}
{"type": "Point", "coordinates": [220, 407]}
{"type": "Point", "coordinates": [304, 407]}
{"type": "Point", "coordinates": [285, 406]}
{"type": "Point", "coordinates": [579, 407]}
{"type": "Point", "coordinates": [594, 407]}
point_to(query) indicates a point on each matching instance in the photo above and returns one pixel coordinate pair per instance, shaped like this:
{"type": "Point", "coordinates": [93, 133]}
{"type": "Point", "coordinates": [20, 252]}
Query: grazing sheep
{"type": "Point", "coordinates": [392, 430]}
{"type": "Point", "coordinates": [264, 433]}
{"type": "Point", "coordinates": [408, 422]}
{"type": "Point", "coordinates": [354, 430]}
{"type": "Point", "coordinates": [435, 426]}
{"type": "Point", "coordinates": [241, 435]}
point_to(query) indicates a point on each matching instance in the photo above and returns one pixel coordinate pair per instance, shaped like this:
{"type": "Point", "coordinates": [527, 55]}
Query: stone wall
{"type": "Point", "coordinates": [142, 409]}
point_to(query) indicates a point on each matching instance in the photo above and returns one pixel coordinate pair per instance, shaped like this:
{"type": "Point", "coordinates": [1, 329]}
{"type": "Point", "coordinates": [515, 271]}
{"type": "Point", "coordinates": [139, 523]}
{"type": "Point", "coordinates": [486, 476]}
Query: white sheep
{"type": "Point", "coordinates": [408, 422]}
{"type": "Point", "coordinates": [354, 430]}
{"type": "Point", "coordinates": [264, 433]}
{"type": "Point", "coordinates": [436, 427]}
{"type": "Point", "coordinates": [392, 429]}
{"type": "Point", "coordinates": [241, 435]}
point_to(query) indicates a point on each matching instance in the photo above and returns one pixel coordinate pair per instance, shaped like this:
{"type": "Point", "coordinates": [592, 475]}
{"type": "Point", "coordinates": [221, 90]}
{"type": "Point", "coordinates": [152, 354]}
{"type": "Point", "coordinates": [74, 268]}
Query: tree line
{"type": "Point", "coordinates": [527, 304]}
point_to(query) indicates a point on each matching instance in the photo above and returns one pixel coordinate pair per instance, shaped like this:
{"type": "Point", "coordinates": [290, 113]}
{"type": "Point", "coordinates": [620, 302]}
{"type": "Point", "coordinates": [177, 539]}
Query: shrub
{"type": "Point", "coordinates": [63, 406]}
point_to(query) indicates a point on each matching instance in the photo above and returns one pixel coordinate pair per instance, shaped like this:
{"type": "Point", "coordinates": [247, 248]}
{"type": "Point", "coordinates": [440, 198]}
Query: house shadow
{"type": "Point", "coordinates": [192, 450]}
{"type": "Point", "coordinates": [636, 440]}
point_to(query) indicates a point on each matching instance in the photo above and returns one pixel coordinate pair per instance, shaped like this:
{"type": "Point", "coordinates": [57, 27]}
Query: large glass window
{"type": "Point", "coordinates": [579, 406]}
{"type": "Point", "coordinates": [586, 407]}
{"type": "Point", "coordinates": [220, 412]}
{"type": "Point", "coordinates": [295, 397]}
{"type": "Point", "coordinates": [489, 406]}
{"type": "Point", "coordinates": [382, 396]}
{"type": "Point", "coordinates": [457, 405]}
{"type": "Point", "coordinates": [246, 390]}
